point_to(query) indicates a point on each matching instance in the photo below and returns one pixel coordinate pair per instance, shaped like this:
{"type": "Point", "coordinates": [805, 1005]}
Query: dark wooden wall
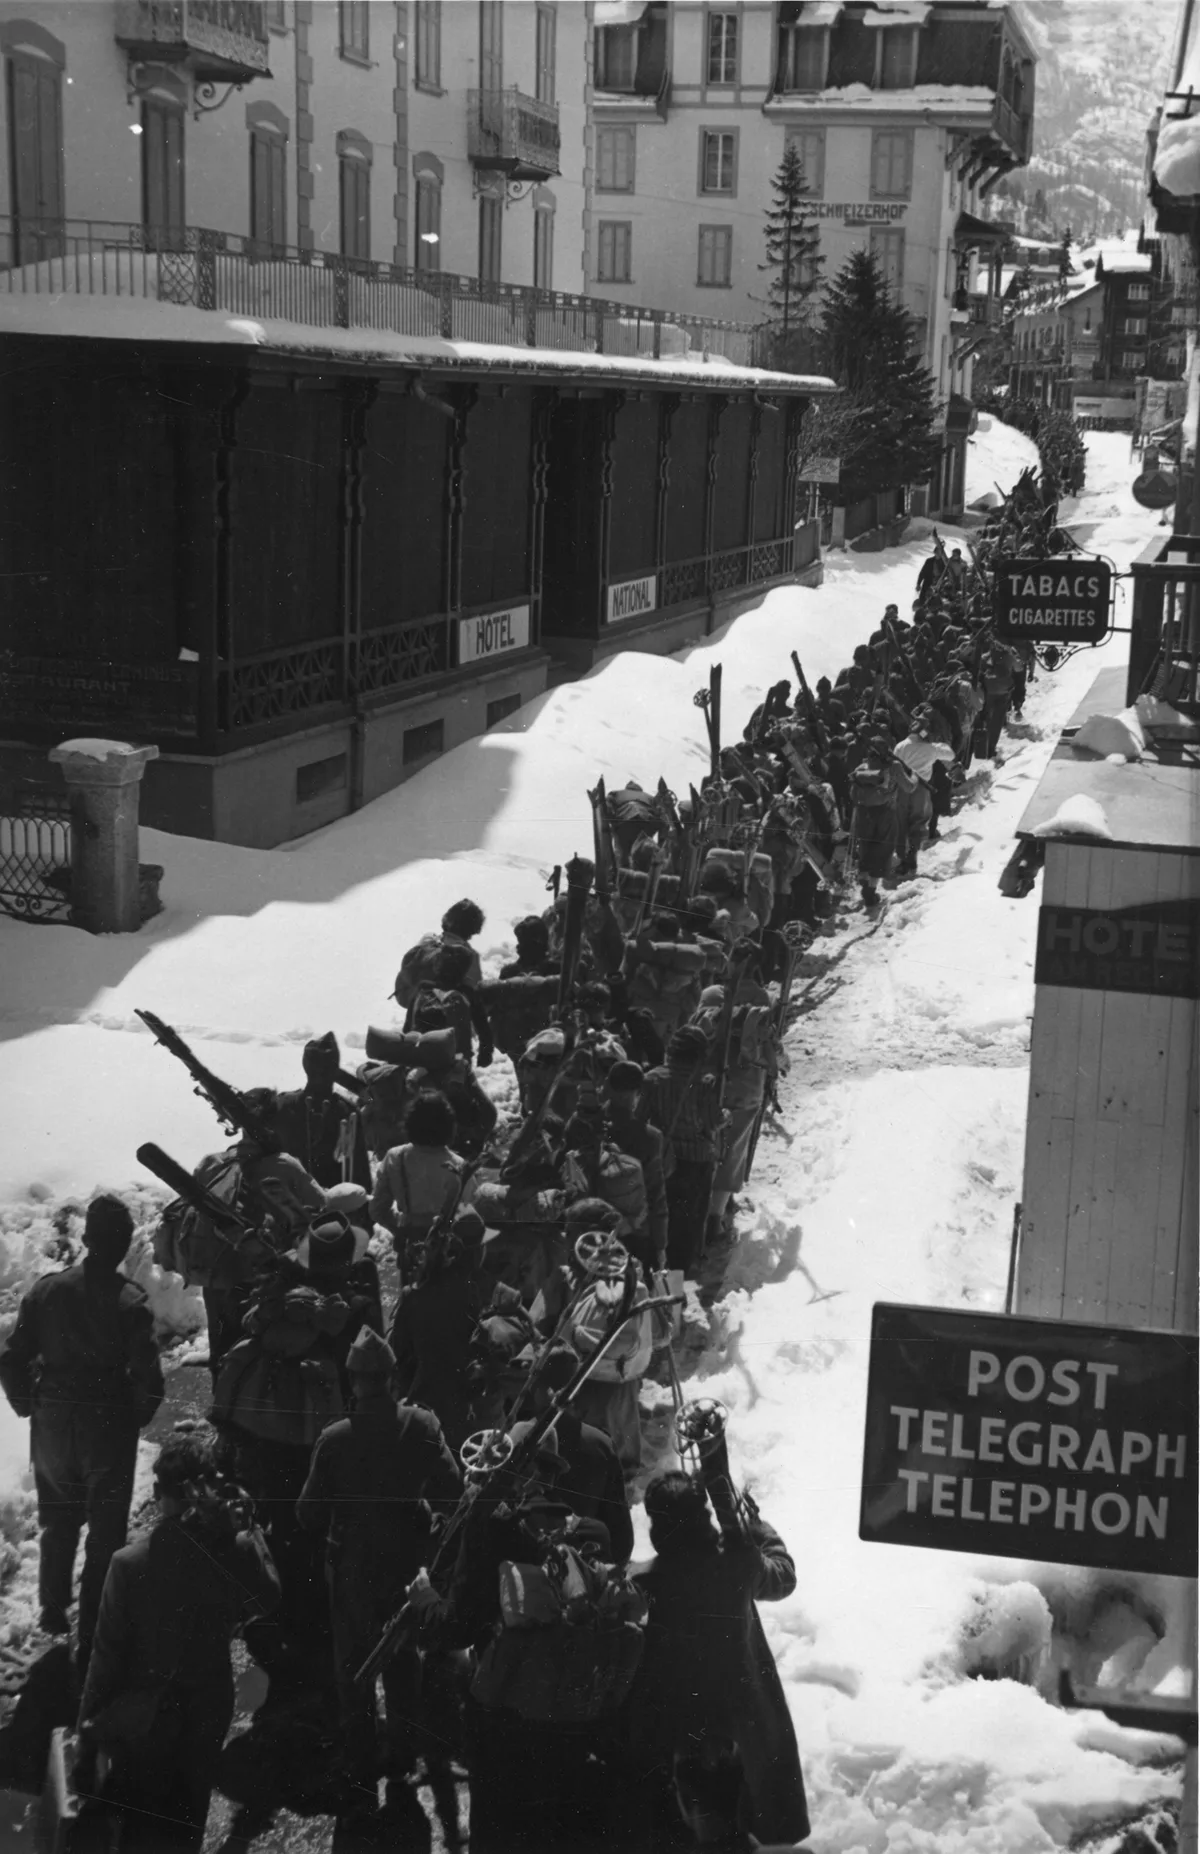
{"type": "Point", "coordinates": [686, 488]}
{"type": "Point", "coordinates": [405, 460]}
{"type": "Point", "coordinates": [285, 514]}
{"type": "Point", "coordinates": [634, 489]}
{"type": "Point", "coordinates": [495, 553]}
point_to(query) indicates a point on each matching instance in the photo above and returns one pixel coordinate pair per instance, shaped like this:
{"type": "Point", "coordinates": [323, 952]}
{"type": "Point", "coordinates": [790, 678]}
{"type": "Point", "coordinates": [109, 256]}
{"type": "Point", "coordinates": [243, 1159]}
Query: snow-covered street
{"type": "Point", "coordinates": [892, 1174]}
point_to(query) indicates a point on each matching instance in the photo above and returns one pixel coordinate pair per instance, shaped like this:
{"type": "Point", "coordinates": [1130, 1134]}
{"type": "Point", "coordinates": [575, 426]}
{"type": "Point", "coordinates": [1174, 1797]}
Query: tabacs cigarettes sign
{"type": "Point", "coordinates": [1053, 601]}
{"type": "Point", "coordinates": [1152, 948]}
{"type": "Point", "coordinates": [490, 634]}
{"type": "Point", "coordinates": [1036, 1439]}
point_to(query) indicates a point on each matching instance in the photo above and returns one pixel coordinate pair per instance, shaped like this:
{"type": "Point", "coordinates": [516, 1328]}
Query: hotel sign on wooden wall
{"type": "Point", "coordinates": [1040, 1439]}
{"type": "Point", "coordinates": [632, 598]}
{"type": "Point", "coordinates": [1063, 601]}
{"type": "Point", "coordinates": [75, 692]}
{"type": "Point", "coordinates": [491, 634]}
{"type": "Point", "coordinates": [1152, 948]}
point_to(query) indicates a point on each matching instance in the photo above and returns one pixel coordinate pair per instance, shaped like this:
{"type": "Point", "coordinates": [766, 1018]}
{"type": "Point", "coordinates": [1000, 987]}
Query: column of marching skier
{"type": "Point", "coordinates": [428, 1325]}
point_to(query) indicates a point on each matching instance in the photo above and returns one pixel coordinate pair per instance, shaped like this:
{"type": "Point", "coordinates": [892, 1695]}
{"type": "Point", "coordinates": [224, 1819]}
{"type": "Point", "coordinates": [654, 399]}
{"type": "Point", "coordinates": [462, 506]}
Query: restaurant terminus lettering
{"type": "Point", "coordinates": [490, 634]}
{"type": "Point", "coordinates": [1053, 601]}
{"type": "Point", "coordinates": [1039, 1439]}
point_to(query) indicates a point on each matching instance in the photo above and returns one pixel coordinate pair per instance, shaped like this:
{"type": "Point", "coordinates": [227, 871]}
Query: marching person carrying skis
{"type": "Point", "coordinates": [873, 788]}
{"type": "Point", "coordinates": [682, 1102]}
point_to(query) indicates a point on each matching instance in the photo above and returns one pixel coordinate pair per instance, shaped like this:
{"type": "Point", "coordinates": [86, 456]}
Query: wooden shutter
{"type": "Point", "coordinates": [546, 34]}
{"type": "Point", "coordinates": [355, 189]}
{"type": "Point", "coordinates": [162, 167]}
{"type": "Point", "coordinates": [491, 45]}
{"type": "Point", "coordinates": [35, 110]}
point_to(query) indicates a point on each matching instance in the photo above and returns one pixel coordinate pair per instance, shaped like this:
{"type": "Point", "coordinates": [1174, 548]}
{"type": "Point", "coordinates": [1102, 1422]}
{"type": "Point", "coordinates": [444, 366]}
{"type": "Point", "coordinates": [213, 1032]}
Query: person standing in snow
{"type": "Point", "coordinates": [421, 1180]}
{"type": "Point", "coordinates": [81, 1362]}
{"type": "Point", "coordinates": [707, 1670]}
{"type": "Point", "coordinates": [873, 789]}
{"type": "Point", "coordinates": [919, 755]}
{"type": "Point", "coordinates": [319, 1126]}
{"type": "Point", "coordinates": [158, 1697]}
{"type": "Point", "coordinates": [375, 1479]}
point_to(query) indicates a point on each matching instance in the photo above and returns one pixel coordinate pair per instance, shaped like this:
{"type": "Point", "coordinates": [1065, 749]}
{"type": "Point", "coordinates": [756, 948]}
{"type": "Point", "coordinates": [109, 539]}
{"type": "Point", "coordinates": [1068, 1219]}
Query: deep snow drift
{"type": "Point", "coordinates": [892, 1176]}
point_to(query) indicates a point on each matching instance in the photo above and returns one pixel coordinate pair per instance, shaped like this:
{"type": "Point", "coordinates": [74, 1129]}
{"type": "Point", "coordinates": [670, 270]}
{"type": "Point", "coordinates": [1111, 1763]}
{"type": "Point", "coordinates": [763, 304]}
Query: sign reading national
{"type": "Point", "coordinates": [632, 598]}
{"type": "Point", "coordinates": [490, 634]}
{"type": "Point", "coordinates": [1033, 1439]}
{"type": "Point", "coordinates": [1064, 601]}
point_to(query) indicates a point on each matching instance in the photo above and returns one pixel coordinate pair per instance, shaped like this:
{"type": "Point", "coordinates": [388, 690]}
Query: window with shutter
{"type": "Point", "coordinates": [722, 48]}
{"type": "Point", "coordinates": [891, 164]}
{"type": "Point", "coordinates": [354, 30]}
{"type": "Point", "coordinates": [543, 250]}
{"type": "Point", "coordinates": [616, 57]}
{"type": "Point", "coordinates": [715, 264]}
{"type": "Point", "coordinates": [491, 223]}
{"type": "Point", "coordinates": [897, 57]}
{"type": "Point", "coordinates": [268, 192]}
{"type": "Point", "coordinates": [429, 223]}
{"type": "Point", "coordinates": [614, 251]}
{"type": "Point", "coordinates": [36, 146]}
{"type": "Point", "coordinates": [491, 45]}
{"type": "Point", "coordinates": [615, 149]}
{"type": "Point", "coordinates": [718, 161]}
{"type": "Point", "coordinates": [887, 248]}
{"type": "Point", "coordinates": [429, 44]}
{"type": "Point", "coordinates": [546, 34]}
{"type": "Point", "coordinates": [803, 57]}
{"type": "Point", "coordinates": [810, 146]}
{"type": "Point", "coordinates": [354, 187]}
{"type": "Point", "coordinates": [162, 166]}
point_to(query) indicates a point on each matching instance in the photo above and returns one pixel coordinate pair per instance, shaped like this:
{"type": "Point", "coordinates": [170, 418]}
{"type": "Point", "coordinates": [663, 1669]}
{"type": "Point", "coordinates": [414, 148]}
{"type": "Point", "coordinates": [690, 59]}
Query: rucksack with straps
{"type": "Point", "coordinates": [186, 1241]}
{"type": "Point", "coordinates": [569, 1641]}
{"type": "Point", "coordinates": [432, 1006]}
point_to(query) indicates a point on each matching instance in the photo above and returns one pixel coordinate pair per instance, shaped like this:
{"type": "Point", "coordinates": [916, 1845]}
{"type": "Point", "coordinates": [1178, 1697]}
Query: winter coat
{"type": "Point", "coordinates": [707, 1670]}
{"type": "Point", "coordinates": [417, 1184]}
{"type": "Point", "coordinates": [83, 1335]}
{"type": "Point", "coordinates": [647, 1145]}
{"type": "Point", "coordinates": [370, 1484]}
{"type": "Point", "coordinates": [614, 1175]}
{"type": "Point", "coordinates": [593, 1484]}
{"type": "Point", "coordinates": [431, 1335]}
{"type": "Point", "coordinates": [314, 1128]}
{"type": "Point", "coordinates": [683, 1105]}
{"type": "Point", "coordinates": [159, 1683]}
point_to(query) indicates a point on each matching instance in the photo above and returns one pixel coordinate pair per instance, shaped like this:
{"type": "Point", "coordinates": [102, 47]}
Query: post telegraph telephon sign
{"type": "Point", "coordinates": [1039, 1439]}
{"type": "Point", "coordinates": [1064, 601]}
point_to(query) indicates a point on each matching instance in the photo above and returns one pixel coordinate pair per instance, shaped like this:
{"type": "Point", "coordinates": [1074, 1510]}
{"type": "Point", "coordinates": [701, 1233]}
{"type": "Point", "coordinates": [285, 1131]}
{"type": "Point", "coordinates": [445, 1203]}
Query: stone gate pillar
{"type": "Point", "coordinates": [104, 779]}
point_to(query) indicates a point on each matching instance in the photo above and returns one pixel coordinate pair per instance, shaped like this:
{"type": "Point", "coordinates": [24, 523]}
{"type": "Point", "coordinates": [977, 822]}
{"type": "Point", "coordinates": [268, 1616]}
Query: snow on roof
{"type": "Point", "coordinates": [914, 102]}
{"type": "Point", "coordinates": [1121, 262]}
{"type": "Point", "coordinates": [1177, 156]}
{"type": "Point", "coordinates": [142, 319]}
{"type": "Point", "coordinates": [897, 13]}
{"type": "Point", "coordinates": [820, 12]}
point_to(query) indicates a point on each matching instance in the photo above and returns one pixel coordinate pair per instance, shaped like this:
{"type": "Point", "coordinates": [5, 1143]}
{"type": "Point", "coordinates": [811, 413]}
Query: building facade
{"type": "Point", "coordinates": [446, 137]}
{"type": "Point", "coordinates": [319, 508]}
{"type": "Point", "coordinates": [902, 113]}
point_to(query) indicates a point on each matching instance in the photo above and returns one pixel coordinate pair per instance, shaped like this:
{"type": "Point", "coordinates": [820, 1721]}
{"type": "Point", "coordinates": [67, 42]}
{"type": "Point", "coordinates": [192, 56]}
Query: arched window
{"type": "Point", "coordinates": [268, 128]}
{"type": "Point", "coordinates": [428, 172]}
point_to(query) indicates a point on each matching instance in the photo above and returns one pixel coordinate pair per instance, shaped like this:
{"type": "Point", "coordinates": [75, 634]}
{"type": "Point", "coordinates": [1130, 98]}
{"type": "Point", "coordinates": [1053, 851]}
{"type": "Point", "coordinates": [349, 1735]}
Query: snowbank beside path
{"type": "Point", "coordinates": [996, 456]}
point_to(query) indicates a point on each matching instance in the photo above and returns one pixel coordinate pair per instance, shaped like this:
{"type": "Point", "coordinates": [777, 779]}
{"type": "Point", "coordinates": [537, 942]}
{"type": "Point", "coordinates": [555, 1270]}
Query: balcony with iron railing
{"type": "Point", "coordinates": [223, 41]}
{"type": "Point", "coordinates": [513, 134]}
{"type": "Point", "coordinates": [192, 267]}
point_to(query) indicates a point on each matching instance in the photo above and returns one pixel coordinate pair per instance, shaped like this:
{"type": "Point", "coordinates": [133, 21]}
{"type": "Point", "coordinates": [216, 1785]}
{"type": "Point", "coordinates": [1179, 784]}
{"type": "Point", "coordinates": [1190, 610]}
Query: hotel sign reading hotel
{"type": "Point", "coordinates": [490, 634]}
{"type": "Point", "coordinates": [1036, 1439]}
{"type": "Point", "coordinates": [1152, 948]}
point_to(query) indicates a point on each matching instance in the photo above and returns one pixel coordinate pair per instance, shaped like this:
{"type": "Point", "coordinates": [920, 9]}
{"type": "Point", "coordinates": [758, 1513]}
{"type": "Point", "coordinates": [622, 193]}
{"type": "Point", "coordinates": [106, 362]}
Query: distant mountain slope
{"type": "Point", "coordinates": [1100, 76]}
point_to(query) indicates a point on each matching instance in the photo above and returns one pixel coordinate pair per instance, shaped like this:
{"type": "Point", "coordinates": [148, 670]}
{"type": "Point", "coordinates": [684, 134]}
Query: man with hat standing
{"type": "Point", "coordinates": [631, 1133]}
{"type": "Point", "coordinates": [682, 1102]}
{"type": "Point", "coordinates": [376, 1478]}
{"type": "Point", "coordinates": [82, 1363]}
{"type": "Point", "coordinates": [319, 1126]}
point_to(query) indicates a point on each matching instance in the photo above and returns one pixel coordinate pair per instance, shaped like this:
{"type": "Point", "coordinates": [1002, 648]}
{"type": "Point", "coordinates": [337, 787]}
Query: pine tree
{"type": "Point", "coordinates": [868, 347]}
{"type": "Point", "coordinates": [793, 245]}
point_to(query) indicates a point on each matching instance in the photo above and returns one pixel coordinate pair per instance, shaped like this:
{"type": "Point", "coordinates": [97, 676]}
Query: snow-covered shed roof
{"type": "Point", "coordinates": [1121, 262]}
{"type": "Point", "coordinates": [143, 319]}
{"type": "Point", "coordinates": [1148, 804]}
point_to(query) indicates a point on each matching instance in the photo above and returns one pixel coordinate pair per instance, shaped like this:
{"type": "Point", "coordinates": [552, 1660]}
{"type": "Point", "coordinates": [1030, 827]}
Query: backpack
{"type": "Point", "coordinates": [417, 968]}
{"type": "Point", "coordinates": [382, 1105]}
{"type": "Point", "coordinates": [618, 1179]}
{"type": "Point", "coordinates": [452, 1009]}
{"type": "Point", "coordinates": [569, 1641]}
{"type": "Point", "coordinates": [186, 1241]}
